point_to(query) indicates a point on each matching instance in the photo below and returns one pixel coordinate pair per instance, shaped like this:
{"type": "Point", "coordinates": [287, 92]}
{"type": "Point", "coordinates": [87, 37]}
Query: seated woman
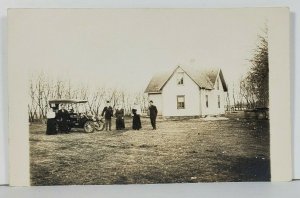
{"type": "Point", "coordinates": [136, 120]}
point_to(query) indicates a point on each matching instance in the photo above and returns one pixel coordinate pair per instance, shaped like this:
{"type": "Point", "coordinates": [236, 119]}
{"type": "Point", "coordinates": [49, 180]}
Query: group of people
{"type": "Point", "coordinates": [63, 115]}
{"type": "Point", "coordinates": [107, 113]}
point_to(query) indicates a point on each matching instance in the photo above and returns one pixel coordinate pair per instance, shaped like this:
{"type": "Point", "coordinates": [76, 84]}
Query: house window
{"type": "Point", "coordinates": [180, 102]}
{"type": "Point", "coordinates": [206, 100]}
{"type": "Point", "coordinates": [180, 78]}
{"type": "Point", "coordinates": [219, 102]}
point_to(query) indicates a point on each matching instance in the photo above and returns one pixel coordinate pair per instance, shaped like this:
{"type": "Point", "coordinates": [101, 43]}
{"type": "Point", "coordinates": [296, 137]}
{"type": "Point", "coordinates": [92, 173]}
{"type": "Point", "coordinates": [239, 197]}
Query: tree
{"type": "Point", "coordinates": [247, 92]}
{"type": "Point", "coordinates": [260, 72]}
{"type": "Point", "coordinates": [32, 106]}
{"type": "Point", "coordinates": [255, 86]}
{"type": "Point", "coordinates": [42, 89]}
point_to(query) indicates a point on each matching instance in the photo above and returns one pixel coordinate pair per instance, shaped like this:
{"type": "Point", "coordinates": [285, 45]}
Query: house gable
{"type": "Point", "coordinates": [204, 78]}
{"type": "Point", "coordinates": [181, 98]}
{"type": "Point", "coordinates": [218, 80]}
{"type": "Point", "coordinates": [176, 72]}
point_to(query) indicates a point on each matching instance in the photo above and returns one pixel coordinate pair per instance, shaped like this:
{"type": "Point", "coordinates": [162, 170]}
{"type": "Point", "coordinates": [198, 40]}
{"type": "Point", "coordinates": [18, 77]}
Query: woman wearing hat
{"type": "Point", "coordinates": [119, 118]}
{"type": "Point", "coordinates": [136, 119]}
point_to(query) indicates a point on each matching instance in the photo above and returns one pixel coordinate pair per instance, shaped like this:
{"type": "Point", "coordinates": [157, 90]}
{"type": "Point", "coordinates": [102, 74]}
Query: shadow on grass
{"type": "Point", "coordinates": [245, 168]}
{"type": "Point", "coordinates": [42, 177]}
{"type": "Point", "coordinates": [252, 169]}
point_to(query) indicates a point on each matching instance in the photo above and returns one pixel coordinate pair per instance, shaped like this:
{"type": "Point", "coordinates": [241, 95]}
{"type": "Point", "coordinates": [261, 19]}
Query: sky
{"type": "Point", "coordinates": [125, 48]}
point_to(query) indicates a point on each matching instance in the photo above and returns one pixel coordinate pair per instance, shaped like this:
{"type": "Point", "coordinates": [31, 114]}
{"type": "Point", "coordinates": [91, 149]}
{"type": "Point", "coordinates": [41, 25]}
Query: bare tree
{"type": "Point", "coordinates": [32, 107]}
{"type": "Point", "coordinates": [60, 89]}
{"type": "Point", "coordinates": [247, 92]}
{"type": "Point", "coordinates": [42, 89]}
{"type": "Point", "coordinates": [255, 86]}
{"type": "Point", "coordinates": [233, 96]}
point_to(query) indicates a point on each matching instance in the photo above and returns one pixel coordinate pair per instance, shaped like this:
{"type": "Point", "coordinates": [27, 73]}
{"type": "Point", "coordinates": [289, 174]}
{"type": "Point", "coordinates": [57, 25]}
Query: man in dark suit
{"type": "Point", "coordinates": [107, 113]}
{"type": "Point", "coordinates": [63, 116]}
{"type": "Point", "coordinates": [153, 114]}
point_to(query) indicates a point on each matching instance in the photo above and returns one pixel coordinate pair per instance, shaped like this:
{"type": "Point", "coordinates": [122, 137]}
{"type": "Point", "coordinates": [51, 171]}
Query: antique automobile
{"type": "Point", "coordinates": [75, 117]}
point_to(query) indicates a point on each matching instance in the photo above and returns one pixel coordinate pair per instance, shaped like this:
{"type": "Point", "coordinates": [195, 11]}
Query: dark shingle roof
{"type": "Point", "coordinates": [204, 78]}
{"type": "Point", "coordinates": [157, 82]}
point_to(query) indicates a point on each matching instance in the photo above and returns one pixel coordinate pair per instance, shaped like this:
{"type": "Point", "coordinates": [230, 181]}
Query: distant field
{"type": "Point", "coordinates": [179, 151]}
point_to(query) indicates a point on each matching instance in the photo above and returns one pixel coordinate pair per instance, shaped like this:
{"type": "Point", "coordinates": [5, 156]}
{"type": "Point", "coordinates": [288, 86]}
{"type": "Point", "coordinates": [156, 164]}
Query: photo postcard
{"type": "Point", "coordinates": [148, 96]}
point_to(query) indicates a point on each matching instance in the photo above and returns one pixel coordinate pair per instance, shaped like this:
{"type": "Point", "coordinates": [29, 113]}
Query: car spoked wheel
{"type": "Point", "coordinates": [99, 126]}
{"type": "Point", "coordinates": [89, 127]}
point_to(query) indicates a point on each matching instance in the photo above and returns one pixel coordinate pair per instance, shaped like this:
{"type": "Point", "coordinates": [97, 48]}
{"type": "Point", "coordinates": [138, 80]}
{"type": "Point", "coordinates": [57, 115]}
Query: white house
{"type": "Point", "coordinates": [188, 92]}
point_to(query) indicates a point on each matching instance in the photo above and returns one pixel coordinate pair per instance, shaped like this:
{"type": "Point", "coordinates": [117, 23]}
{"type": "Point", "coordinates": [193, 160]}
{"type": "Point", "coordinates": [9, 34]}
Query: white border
{"type": "Point", "coordinates": [4, 4]}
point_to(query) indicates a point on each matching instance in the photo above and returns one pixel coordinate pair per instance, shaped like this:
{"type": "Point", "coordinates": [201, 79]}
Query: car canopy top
{"type": "Point", "coordinates": [66, 101]}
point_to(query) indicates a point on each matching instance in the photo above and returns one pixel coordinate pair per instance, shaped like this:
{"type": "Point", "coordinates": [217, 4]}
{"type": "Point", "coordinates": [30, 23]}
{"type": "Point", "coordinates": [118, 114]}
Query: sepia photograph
{"type": "Point", "coordinates": [146, 96]}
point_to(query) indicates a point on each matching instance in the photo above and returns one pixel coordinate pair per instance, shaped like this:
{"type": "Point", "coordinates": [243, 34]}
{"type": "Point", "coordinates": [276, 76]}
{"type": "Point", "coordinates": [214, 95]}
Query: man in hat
{"type": "Point", "coordinates": [64, 117]}
{"type": "Point", "coordinates": [107, 113]}
{"type": "Point", "coordinates": [153, 114]}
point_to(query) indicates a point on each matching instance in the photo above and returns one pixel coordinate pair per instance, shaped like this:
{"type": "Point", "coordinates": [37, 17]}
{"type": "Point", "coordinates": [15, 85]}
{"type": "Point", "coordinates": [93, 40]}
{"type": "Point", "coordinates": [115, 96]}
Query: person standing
{"type": "Point", "coordinates": [136, 119]}
{"type": "Point", "coordinates": [119, 118]}
{"type": "Point", "coordinates": [107, 113]}
{"type": "Point", "coordinates": [64, 118]}
{"type": "Point", "coordinates": [153, 114]}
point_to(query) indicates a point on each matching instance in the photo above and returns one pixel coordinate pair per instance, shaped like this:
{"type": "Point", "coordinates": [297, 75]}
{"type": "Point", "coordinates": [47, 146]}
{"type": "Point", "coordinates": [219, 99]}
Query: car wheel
{"type": "Point", "coordinates": [99, 126]}
{"type": "Point", "coordinates": [89, 127]}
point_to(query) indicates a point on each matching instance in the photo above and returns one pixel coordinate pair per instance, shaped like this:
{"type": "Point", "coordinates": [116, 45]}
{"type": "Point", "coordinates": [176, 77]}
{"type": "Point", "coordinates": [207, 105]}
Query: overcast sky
{"type": "Point", "coordinates": [124, 48]}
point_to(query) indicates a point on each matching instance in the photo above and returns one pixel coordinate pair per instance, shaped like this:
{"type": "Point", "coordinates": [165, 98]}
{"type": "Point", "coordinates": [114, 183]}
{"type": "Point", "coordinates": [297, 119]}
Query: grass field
{"type": "Point", "coordinates": [193, 150]}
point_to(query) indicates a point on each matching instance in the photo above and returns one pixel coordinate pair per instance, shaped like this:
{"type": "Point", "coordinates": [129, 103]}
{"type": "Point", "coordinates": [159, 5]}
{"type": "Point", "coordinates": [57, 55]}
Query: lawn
{"type": "Point", "coordinates": [192, 150]}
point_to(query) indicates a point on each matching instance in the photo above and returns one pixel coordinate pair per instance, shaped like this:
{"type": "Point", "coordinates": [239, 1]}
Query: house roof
{"type": "Point", "coordinates": [204, 78]}
{"type": "Point", "coordinates": [157, 82]}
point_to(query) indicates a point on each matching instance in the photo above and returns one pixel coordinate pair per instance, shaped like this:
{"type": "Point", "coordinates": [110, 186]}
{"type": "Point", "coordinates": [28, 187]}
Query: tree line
{"type": "Point", "coordinates": [42, 89]}
{"type": "Point", "coordinates": [253, 89]}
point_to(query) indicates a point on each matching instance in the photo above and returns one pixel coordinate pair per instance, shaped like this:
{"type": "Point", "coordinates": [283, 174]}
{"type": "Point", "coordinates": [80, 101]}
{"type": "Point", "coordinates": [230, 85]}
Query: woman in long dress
{"type": "Point", "coordinates": [136, 119]}
{"type": "Point", "coordinates": [120, 124]}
